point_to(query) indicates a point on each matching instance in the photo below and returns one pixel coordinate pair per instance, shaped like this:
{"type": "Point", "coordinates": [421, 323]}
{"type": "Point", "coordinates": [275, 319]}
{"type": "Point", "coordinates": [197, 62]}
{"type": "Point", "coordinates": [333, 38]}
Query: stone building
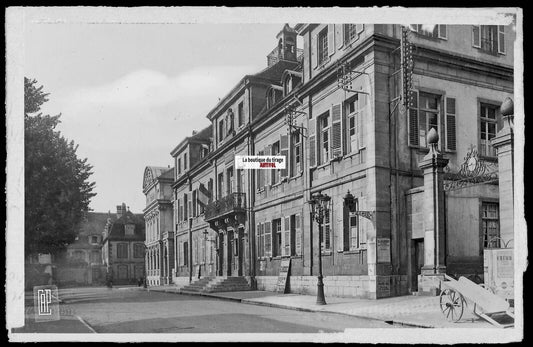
{"type": "Point", "coordinates": [123, 246]}
{"type": "Point", "coordinates": [352, 112]}
{"type": "Point", "coordinates": [158, 219]}
{"type": "Point", "coordinates": [82, 261]}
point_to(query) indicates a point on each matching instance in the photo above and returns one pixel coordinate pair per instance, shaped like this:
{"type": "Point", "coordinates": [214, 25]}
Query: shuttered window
{"type": "Point", "coordinates": [324, 139]}
{"type": "Point", "coordinates": [312, 143]}
{"type": "Point", "coordinates": [185, 207]}
{"type": "Point", "coordinates": [326, 232]}
{"type": "Point", "coordinates": [284, 144]}
{"type": "Point", "coordinates": [268, 239]}
{"type": "Point", "coordinates": [296, 224]}
{"type": "Point", "coordinates": [331, 39]}
{"type": "Point", "coordinates": [451, 139]}
{"type": "Point", "coordinates": [275, 173]}
{"type": "Point", "coordinates": [501, 39]}
{"type": "Point", "coordinates": [322, 46]}
{"type": "Point", "coordinates": [336, 131]}
{"type": "Point", "coordinates": [286, 242]}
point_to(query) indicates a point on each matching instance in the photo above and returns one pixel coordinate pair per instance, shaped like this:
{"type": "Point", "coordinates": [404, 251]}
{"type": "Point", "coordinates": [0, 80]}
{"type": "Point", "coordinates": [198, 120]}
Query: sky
{"type": "Point", "coordinates": [129, 93]}
{"type": "Point", "coordinates": [130, 84]}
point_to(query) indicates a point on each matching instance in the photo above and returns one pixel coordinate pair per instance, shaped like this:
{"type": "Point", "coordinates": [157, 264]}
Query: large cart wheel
{"type": "Point", "coordinates": [451, 305]}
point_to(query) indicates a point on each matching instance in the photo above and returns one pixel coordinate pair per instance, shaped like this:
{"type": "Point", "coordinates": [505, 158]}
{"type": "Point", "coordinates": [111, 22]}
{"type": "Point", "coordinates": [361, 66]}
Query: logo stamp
{"type": "Point", "coordinates": [46, 303]}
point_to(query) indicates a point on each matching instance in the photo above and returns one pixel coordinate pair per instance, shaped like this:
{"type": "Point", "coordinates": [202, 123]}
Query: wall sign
{"type": "Point", "coordinates": [383, 250]}
{"type": "Point", "coordinates": [283, 273]}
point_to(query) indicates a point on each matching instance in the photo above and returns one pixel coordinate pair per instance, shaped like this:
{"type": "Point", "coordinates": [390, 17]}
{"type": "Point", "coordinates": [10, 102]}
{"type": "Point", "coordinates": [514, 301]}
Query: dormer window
{"type": "Point", "coordinates": [129, 229]}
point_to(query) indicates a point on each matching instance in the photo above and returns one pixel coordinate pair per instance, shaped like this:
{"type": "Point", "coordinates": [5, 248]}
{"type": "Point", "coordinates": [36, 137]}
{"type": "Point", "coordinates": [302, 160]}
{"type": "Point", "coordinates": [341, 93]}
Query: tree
{"type": "Point", "coordinates": [56, 190]}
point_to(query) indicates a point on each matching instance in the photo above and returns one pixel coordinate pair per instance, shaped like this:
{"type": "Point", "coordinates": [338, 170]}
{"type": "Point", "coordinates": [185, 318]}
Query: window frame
{"type": "Point", "coordinates": [324, 146]}
{"type": "Point", "coordinates": [322, 47]}
{"type": "Point", "coordinates": [483, 235]}
{"type": "Point", "coordinates": [482, 148]}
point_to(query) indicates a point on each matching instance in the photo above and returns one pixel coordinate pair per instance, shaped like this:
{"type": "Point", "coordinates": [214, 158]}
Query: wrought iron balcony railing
{"type": "Point", "coordinates": [234, 202]}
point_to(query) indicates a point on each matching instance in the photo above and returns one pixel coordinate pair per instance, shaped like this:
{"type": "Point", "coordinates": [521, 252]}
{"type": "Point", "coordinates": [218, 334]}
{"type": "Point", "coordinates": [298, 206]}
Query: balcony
{"type": "Point", "coordinates": [232, 204]}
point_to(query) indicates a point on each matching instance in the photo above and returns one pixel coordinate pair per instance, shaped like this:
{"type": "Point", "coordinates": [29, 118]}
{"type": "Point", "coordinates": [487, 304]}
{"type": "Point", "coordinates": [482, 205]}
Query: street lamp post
{"type": "Point", "coordinates": [319, 207]}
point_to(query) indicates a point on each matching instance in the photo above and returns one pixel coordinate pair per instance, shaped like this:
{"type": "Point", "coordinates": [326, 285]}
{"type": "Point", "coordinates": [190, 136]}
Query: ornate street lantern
{"type": "Point", "coordinates": [319, 208]}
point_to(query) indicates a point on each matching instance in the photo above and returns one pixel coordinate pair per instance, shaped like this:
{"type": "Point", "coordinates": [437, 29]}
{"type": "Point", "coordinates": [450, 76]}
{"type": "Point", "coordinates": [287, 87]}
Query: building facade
{"type": "Point", "coordinates": [158, 217]}
{"type": "Point", "coordinates": [123, 247]}
{"type": "Point", "coordinates": [82, 261]}
{"type": "Point", "coordinates": [351, 113]}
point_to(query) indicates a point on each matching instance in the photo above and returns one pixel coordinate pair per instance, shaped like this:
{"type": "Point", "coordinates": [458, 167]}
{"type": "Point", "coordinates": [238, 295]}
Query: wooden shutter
{"type": "Point", "coordinates": [451, 137]}
{"type": "Point", "coordinates": [268, 239]}
{"type": "Point", "coordinates": [266, 173]}
{"type": "Point", "coordinates": [361, 119]}
{"type": "Point", "coordinates": [194, 202]}
{"type": "Point", "coordinates": [312, 142]}
{"type": "Point", "coordinates": [185, 210]}
{"type": "Point", "coordinates": [359, 28]}
{"type": "Point", "coordinates": [331, 39]}
{"type": "Point", "coordinates": [210, 189]}
{"type": "Point", "coordinates": [336, 131]}
{"type": "Point", "coordinates": [476, 36]}
{"type": "Point", "coordinates": [298, 234]}
{"type": "Point", "coordinates": [413, 119]}
{"type": "Point", "coordinates": [501, 39]}
{"type": "Point", "coordinates": [340, 41]}
{"type": "Point", "coordinates": [284, 151]}
{"type": "Point", "coordinates": [286, 242]}
{"type": "Point", "coordinates": [315, 44]}
{"type": "Point", "coordinates": [443, 34]}
{"type": "Point", "coordinates": [345, 229]}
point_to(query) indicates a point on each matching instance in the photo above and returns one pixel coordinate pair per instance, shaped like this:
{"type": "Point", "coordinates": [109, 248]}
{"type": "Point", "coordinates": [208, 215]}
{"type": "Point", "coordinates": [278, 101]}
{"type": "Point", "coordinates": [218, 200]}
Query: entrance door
{"type": "Point", "coordinates": [240, 251]}
{"type": "Point", "coordinates": [220, 255]}
{"type": "Point", "coordinates": [229, 253]}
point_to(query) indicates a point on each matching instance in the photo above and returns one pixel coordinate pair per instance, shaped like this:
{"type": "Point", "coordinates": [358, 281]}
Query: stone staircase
{"type": "Point", "coordinates": [197, 286]}
{"type": "Point", "coordinates": [217, 284]}
{"type": "Point", "coordinates": [227, 284]}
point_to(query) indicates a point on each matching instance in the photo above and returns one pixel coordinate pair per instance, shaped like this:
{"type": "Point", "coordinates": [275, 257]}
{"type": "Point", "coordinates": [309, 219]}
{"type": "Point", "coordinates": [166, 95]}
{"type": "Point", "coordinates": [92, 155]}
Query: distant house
{"type": "Point", "coordinates": [82, 260]}
{"type": "Point", "coordinates": [123, 246]}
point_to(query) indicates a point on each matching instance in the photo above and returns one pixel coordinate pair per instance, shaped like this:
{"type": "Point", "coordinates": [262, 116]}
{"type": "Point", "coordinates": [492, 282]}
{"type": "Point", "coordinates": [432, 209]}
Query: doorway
{"type": "Point", "coordinates": [418, 261]}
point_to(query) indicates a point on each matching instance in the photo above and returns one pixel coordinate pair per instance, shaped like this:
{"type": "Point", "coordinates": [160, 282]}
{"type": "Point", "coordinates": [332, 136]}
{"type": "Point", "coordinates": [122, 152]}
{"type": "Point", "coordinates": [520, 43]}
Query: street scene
{"type": "Point", "coordinates": [269, 178]}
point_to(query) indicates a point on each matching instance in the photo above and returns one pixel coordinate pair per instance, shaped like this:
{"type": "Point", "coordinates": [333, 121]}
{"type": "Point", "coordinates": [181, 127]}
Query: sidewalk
{"type": "Point", "coordinates": [411, 311]}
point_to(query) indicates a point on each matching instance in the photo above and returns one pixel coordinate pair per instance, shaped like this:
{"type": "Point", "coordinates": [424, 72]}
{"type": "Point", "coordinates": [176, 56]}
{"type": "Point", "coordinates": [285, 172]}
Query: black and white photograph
{"type": "Point", "coordinates": [215, 174]}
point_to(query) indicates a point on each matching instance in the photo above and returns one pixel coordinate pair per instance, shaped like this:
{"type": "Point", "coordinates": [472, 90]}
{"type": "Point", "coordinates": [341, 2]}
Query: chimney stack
{"type": "Point", "coordinates": [121, 210]}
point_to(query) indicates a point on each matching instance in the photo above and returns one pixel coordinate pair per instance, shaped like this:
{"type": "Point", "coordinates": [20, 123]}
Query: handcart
{"type": "Point", "coordinates": [456, 294]}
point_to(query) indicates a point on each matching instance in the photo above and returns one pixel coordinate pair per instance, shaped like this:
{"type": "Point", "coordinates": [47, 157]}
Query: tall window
{"type": "Point", "coordinates": [276, 230]}
{"type": "Point", "coordinates": [138, 250]}
{"type": "Point", "coordinates": [230, 181]}
{"type": "Point", "coordinates": [436, 30]}
{"type": "Point", "coordinates": [424, 114]}
{"type": "Point", "coordinates": [351, 32]}
{"type": "Point", "coordinates": [488, 115]}
{"type": "Point", "coordinates": [240, 113]}
{"type": "Point", "coordinates": [324, 145]}
{"type": "Point", "coordinates": [268, 239]}
{"type": "Point", "coordinates": [194, 203]}
{"type": "Point", "coordinates": [296, 154]}
{"type": "Point", "coordinates": [326, 232]}
{"type": "Point", "coordinates": [221, 130]}
{"type": "Point", "coordinates": [489, 38]}
{"type": "Point", "coordinates": [122, 250]}
{"type": "Point", "coordinates": [322, 42]}
{"type": "Point", "coordinates": [353, 121]}
{"type": "Point", "coordinates": [240, 181]}
{"type": "Point", "coordinates": [220, 185]}
{"type": "Point", "coordinates": [185, 161]}
{"type": "Point", "coordinates": [260, 240]}
{"type": "Point", "coordinates": [185, 253]}
{"type": "Point", "coordinates": [179, 166]}
{"type": "Point", "coordinates": [275, 173]}
{"type": "Point", "coordinates": [490, 225]}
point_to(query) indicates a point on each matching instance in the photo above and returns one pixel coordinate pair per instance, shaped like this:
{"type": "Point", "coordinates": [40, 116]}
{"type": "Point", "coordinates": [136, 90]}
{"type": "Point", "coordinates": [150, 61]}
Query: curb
{"type": "Point", "coordinates": [294, 308]}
